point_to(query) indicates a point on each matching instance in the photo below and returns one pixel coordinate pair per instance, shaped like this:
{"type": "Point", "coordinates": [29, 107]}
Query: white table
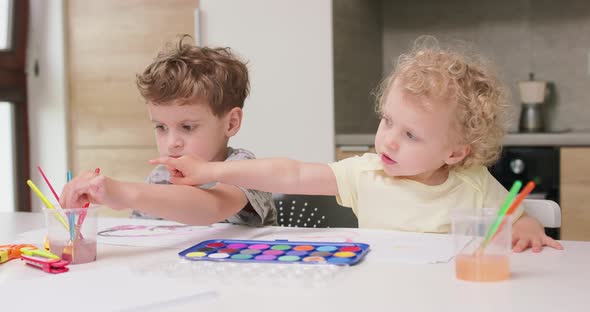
{"type": "Point", "coordinates": [549, 281]}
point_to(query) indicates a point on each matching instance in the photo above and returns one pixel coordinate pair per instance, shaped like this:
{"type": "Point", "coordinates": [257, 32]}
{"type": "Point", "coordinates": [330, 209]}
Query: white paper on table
{"type": "Point", "coordinates": [168, 234]}
{"type": "Point", "coordinates": [407, 247]}
{"type": "Point", "coordinates": [109, 289]}
{"type": "Point", "coordinates": [388, 246]}
{"type": "Point", "coordinates": [155, 233]}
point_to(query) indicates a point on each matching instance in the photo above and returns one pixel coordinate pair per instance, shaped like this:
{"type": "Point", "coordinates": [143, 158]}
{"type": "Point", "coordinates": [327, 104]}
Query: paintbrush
{"type": "Point", "coordinates": [500, 217]}
{"type": "Point", "coordinates": [83, 213]}
{"type": "Point", "coordinates": [68, 251]}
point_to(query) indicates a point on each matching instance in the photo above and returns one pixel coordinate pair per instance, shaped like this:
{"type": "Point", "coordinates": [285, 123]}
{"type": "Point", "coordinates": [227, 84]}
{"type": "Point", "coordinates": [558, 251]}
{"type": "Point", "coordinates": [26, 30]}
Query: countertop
{"type": "Point", "coordinates": [562, 138]}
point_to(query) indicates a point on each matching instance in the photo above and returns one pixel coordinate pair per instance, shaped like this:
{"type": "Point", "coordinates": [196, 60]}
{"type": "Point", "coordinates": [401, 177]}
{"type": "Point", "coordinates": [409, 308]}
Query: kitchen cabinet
{"type": "Point", "coordinates": [108, 121]}
{"type": "Point", "coordinates": [345, 151]}
{"type": "Point", "coordinates": [575, 197]}
{"type": "Point", "coordinates": [107, 114]}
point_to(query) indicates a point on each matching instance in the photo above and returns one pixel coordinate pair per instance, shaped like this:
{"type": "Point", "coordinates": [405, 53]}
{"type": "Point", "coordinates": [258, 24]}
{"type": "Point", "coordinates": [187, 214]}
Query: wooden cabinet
{"type": "Point", "coordinates": [346, 151]}
{"type": "Point", "coordinates": [575, 193]}
{"type": "Point", "coordinates": [108, 43]}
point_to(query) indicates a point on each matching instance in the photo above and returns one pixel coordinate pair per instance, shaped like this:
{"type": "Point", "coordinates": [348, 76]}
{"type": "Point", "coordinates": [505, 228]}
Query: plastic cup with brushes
{"type": "Point", "coordinates": [483, 242]}
{"type": "Point", "coordinates": [75, 244]}
{"type": "Point", "coordinates": [66, 237]}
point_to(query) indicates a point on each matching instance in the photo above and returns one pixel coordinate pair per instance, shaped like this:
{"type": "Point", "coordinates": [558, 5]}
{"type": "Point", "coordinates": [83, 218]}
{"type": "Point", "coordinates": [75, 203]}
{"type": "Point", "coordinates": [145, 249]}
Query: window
{"type": "Point", "coordinates": [14, 157]}
{"type": "Point", "coordinates": [7, 159]}
{"type": "Point", "coordinates": [5, 25]}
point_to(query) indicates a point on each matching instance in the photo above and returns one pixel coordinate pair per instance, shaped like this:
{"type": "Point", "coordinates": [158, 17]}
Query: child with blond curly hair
{"type": "Point", "coordinates": [441, 125]}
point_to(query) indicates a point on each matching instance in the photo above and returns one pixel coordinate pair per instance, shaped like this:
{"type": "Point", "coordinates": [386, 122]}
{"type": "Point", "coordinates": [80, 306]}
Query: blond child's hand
{"type": "Point", "coordinates": [527, 232]}
{"type": "Point", "coordinates": [184, 170]}
{"type": "Point", "coordinates": [90, 187]}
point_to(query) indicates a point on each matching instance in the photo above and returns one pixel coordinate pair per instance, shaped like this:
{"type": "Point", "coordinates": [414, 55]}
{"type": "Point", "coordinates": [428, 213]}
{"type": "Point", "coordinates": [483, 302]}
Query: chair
{"type": "Point", "coordinates": [312, 211]}
{"type": "Point", "coordinates": [317, 211]}
{"type": "Point", "coordinates": [546, 211]}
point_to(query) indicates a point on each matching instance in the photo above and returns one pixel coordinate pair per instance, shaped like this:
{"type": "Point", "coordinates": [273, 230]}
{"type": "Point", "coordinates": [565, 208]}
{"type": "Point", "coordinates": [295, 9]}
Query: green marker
{"type": "Point", "coordinates": [502, 212]}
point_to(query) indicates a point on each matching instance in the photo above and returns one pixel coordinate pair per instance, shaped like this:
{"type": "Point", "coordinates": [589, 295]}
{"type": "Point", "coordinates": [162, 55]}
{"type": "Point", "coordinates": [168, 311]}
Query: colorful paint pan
{"type": "Point", "coordinates": [280, 251]}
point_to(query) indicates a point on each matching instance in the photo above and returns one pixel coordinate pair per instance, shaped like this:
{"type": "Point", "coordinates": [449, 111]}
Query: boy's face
{"type": "Point", "coordinates": [415, 136]}
{"type": "Point", "coordinates": [190, 129]}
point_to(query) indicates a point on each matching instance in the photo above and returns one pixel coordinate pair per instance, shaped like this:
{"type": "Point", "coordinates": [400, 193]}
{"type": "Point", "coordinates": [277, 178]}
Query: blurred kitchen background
{"type": "Point", "coordinates": [68, 99]}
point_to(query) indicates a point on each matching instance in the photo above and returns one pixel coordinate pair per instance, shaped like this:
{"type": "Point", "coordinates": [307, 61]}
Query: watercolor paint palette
{"type": "Point", "coordinates": [278, 251]}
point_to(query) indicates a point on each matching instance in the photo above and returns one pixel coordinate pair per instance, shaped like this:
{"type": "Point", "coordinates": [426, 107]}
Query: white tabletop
{"type": "Point", "coordinates": [549, 281]}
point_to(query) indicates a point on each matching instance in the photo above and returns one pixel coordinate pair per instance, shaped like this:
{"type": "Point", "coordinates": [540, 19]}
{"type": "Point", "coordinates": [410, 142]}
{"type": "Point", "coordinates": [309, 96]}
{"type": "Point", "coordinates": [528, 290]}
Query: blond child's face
{"type": "Point", "coordinates": [415, 138]}
{"type": "Point", "coordinates": [189, 129]}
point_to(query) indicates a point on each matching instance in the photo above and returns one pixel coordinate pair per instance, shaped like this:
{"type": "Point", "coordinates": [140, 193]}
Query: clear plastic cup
{"type": "Point", "coordinates": [77, 247]}
{"type": "Point", "coordinates": [473, 260]}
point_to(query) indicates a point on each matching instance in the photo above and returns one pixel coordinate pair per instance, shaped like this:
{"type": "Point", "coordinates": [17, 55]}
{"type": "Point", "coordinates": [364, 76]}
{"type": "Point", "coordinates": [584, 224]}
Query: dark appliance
{"type": "Point", "coordinates": [526, 163]}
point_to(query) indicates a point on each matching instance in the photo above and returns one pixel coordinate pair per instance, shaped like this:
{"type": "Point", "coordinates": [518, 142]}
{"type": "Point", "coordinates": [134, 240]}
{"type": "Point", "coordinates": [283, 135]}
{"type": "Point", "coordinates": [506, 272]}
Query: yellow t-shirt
{"type": "Point", "coordinates": [383, 202]}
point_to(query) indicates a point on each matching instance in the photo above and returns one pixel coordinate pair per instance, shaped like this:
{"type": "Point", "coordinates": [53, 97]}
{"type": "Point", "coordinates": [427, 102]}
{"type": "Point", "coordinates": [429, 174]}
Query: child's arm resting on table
{"type": "Point", "coordinates": [277, 175]}
{"type": "Point", "coordinates": [528, 232]}
{"type": "Point", "coordinates": [185, 204]}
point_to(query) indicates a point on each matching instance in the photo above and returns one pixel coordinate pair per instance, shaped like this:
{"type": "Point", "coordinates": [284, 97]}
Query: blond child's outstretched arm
{"type": "Point", "coordinates": [277, 175]}
{"type": "Point", "coordinates": [181, 203]}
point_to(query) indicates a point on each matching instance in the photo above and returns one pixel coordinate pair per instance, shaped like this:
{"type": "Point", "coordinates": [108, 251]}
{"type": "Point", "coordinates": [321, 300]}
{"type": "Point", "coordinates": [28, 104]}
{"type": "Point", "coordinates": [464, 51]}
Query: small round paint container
{"type": "Point", "coordinates": [273, 252]}
{"type": "Point", "coordinates": [289, 258]}
{"type": "Point", "coordinates": [242, 257]}
{"type": "Point", "coordinates": [344, 254]}
{"type": "Point", "coordinates": [327, 248]}
{"type": "Point", "coordinates": [350, 248]}
{"type": "Point", "coordinates": [206, 249]}
{"type": "Point", "coordinates": [250, 251]}
{"type": "Point", "coordinates": [218, 255]}
{"type": "Point", "coordinates": [195, 254]}
{"type": "Point", "coordinates": [259, 246]}
{"type": "Point", "coordinates": [228, 250]}
{"type": "Point", "coordinates": [320, 254]}
{"type": "Point", "coordinates": [265, 257]}
{"type": "Point", "coordinates": [314, 259]}
{"type": "Point", "coordinates": [237, 246]}
{"type": "Point", "coordinates": [296, 253]}
{"type": "Point", "coordinates": [215, 245]}
{"type": "Point", "coordinates": [281, 247]}
{"type": "Point", "coordinates": [304, 248]}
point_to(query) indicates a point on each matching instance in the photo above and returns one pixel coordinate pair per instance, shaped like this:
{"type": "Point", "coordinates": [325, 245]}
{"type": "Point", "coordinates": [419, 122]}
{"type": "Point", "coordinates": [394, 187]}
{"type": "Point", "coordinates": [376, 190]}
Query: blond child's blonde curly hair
{"type": "Point", "coordinates": [470, 82]}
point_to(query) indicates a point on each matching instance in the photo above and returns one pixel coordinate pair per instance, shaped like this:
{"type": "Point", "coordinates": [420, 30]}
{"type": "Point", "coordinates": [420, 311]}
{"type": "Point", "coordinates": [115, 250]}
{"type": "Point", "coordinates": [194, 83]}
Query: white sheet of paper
{"type": "Point", "coordinates": [402, 247]}
{"type": "Point", "coordinates": [388, 246]}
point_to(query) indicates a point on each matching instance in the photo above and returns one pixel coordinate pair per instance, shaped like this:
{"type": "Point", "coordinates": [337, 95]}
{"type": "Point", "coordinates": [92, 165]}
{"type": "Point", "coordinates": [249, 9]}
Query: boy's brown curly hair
{"type": "Point", "coordinates": [480, 97]}
{"type": "Point", "coordinates": [184, 73]}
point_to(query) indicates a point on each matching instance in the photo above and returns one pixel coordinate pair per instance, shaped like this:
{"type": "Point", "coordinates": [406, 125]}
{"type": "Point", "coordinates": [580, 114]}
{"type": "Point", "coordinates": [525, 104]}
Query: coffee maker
{"type": "Point", "coordinates": [532, 96]}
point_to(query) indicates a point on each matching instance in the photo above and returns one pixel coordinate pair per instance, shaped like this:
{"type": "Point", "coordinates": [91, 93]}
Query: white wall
{"type": "Point", "coordinates": [7, 200]}
{"type": "Point", "coordinates": [47, 96]}
{"type": "Point", "coordinates": [288, 43]}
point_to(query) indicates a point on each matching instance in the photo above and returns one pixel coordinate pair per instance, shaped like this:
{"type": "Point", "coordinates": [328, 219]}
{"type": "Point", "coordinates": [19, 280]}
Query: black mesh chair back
{"type": "Point", "coordinates": [313, 211]}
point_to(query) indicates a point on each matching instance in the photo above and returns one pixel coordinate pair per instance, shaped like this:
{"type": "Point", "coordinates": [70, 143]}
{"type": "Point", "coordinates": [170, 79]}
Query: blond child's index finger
{"type": "Point", "coordinates": [161, 161]}
{"type": "Point", "coordinates": [548, 241]}
{"type": "Point", "coordinates": [180, 180]}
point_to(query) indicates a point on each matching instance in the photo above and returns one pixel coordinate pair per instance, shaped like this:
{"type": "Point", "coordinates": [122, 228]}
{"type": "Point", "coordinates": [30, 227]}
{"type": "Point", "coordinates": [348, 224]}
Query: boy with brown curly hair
{"type": "Point", "coordinates": [441, 125]}
{"type": "Point", "coordinates": [195, 97]}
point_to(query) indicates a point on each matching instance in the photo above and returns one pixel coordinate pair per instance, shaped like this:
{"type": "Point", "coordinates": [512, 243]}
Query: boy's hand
{"type": "Point", "coordinates": [528, 232]}
{"type": "Point", "coordinates": [90, 187]}
{"type": "Point", "coordinates": [184, 170]}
